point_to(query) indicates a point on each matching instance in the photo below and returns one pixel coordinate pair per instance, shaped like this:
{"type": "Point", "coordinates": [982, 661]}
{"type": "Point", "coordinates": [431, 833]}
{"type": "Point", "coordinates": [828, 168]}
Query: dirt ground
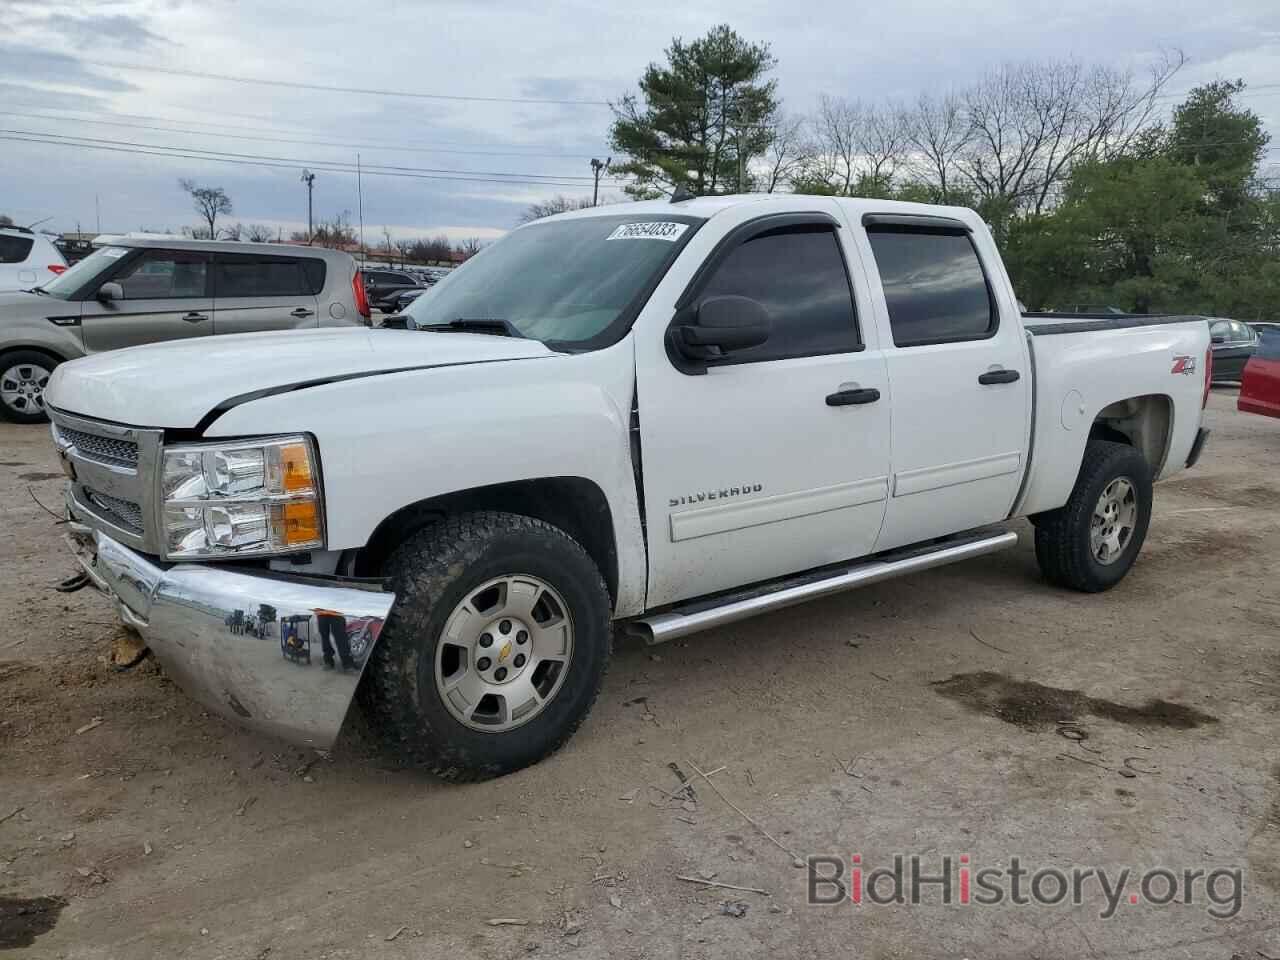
{"type": "Point", "coordinates": [972, 710]}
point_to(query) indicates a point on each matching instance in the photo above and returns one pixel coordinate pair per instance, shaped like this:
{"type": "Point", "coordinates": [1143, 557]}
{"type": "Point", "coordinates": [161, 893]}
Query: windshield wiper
{"type": "Point", "coordinates": [40, 290]}
{"type": "Point", "coordinates": [495, 325]}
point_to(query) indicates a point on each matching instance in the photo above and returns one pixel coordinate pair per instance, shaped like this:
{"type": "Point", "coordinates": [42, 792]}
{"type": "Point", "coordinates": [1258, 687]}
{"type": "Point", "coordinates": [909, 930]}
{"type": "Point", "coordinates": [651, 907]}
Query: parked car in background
{"type": "Point", "coordinates": [133, 290]}
{"type": "Point", "coordinates": [1233, 344]}
{"type": "Point", "coordinates": [405, 297]}
{"type": "Point", "coordinates": [1260, 383]}
{"type": "Point", "coordinates": [27, 258]}
{"type": "Point", "coordinates": [382, 286]}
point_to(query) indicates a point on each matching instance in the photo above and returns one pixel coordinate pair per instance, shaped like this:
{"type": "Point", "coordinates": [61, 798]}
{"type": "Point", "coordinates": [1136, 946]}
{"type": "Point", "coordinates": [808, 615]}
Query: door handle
{"type": "Point", "coordinates": [194, 317]}
{"type": "Point", "coordinates": [846, 398]}
{"type": "Point", "coordinates": [998, 376]}
{"type": "Point", "coordinates": [302, 312]}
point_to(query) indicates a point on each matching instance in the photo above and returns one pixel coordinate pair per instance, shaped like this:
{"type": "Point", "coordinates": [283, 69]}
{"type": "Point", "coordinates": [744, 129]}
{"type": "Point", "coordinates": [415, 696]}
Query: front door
{"type": "Point", "coordinates": [166, 297]}
{"type": "Point", "coordinates": [776, 459]}
{"type": "Point", "coordinates": [960, 377]}
{"type": "Point", "coordinates": [253, 292]}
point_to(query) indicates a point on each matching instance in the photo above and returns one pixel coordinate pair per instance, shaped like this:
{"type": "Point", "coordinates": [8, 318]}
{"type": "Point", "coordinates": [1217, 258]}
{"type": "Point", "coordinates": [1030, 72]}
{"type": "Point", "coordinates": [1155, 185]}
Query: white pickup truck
{"type": "Point", "coordinates": [657, 416]}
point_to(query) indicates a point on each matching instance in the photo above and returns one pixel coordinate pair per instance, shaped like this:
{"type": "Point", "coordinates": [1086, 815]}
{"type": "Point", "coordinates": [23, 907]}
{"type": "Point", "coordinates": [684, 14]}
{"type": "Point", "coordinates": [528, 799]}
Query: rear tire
{"type": "Point", "coordinates": [23, 376]}
{"type": "Point", "coordinates": [1090, 543]}
{"type": "Point", "coordinates": [495, 649]}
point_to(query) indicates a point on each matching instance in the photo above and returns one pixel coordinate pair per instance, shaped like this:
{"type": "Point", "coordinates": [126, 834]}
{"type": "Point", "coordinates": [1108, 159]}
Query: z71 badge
{"type": "Point", "coordinates": [1184, 364]}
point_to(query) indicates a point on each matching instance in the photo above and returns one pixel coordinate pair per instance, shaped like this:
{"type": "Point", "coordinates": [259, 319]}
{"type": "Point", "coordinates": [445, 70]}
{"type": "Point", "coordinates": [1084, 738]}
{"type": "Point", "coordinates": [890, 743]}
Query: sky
{"type": "Point", "coordinates": [63, 73]}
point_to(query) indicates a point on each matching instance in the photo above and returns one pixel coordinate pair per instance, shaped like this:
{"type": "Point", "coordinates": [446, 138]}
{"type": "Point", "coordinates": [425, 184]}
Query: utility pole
{"type": "Point", "coordinates": [97, 210]}
{"type": "Point", "coordinates": [309, 179]}
{"type": "Point", "coordinates": [360, 204]}
{"type": "Point", "coordinates": [598, 168]}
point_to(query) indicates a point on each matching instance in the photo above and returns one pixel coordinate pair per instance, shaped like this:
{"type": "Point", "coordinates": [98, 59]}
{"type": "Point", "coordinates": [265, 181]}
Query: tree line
{"type": "Point", "coordinates": [1094, 192]}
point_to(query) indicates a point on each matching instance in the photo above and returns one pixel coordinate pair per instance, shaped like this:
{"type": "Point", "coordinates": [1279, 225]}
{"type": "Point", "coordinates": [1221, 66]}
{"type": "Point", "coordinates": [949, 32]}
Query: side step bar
{"type": "Point", "coordinates": [703, 615]}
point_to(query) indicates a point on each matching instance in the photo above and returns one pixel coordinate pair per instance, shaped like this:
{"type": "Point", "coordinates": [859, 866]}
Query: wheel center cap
{"type": "Point", "coordinates": [502, 651]}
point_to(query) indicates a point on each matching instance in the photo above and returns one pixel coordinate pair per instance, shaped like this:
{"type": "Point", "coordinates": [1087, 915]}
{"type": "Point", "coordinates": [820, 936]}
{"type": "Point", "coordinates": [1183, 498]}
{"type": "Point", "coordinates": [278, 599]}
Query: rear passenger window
{"type": "Point", "coordinates": [14, 249]}
{"type": "Point", "coordinates": [933, 284]}
{"type": "Point", "coordinates": [798, 274]}
{"type": "Point", "coordinates": [252, 276]}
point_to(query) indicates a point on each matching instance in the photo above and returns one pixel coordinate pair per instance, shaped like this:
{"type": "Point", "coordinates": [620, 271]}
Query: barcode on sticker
{"type": "Point", "coordinates": [649, 230]}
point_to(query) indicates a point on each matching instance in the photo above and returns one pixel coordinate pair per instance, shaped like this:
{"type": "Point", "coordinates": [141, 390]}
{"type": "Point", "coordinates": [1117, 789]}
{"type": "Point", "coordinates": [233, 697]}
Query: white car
{"type": "Point", "coordinates": [27, 259]}
{"type": "Point", "coordinates": [660, 417]}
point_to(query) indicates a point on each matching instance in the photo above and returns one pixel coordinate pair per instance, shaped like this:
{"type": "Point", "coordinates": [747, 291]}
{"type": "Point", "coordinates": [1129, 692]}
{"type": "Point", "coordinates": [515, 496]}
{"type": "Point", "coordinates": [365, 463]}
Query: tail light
{"type": "Point", "coordinates": [1208, 376]}
{"type": "Point", "coordinates": [362, 298]}
{"type": "Point", "coordinates": [57, 267]}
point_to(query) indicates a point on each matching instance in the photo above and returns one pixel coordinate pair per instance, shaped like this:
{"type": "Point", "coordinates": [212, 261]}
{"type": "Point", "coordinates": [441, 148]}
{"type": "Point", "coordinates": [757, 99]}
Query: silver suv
{"type": "Point", "coordinates": [138, 289]}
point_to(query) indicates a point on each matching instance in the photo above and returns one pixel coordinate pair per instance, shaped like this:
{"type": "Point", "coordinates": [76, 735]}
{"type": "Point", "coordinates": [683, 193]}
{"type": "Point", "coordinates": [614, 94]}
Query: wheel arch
{"type": "Point", "coordinates": [576, 505]}
{"type": "Point", "coordinates": [1143, 422]}
{"type": "Point", "coordinates": [53, 355]}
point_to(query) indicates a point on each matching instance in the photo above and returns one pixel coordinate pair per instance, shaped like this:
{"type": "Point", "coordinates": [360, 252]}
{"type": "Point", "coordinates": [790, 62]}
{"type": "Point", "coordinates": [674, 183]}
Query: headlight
{"type": "Point", "coordinates": [245, 498]}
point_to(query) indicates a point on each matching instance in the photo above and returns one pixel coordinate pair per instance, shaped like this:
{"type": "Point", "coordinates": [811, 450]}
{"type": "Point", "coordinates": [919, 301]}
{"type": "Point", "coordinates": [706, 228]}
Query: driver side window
{"type": "Point", "coordinates": [165, 275]}
{"type": "Point", "coordinates": [797, 274]}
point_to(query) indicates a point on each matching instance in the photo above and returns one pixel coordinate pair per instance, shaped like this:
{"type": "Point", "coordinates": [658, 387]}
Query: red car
{"type": "Point", "coordinates": [1260, 385]}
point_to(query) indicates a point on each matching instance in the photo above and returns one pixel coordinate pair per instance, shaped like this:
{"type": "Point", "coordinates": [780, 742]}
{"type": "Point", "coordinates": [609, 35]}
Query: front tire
{"type": "Point", "coordinates": [23, 376]}
{"type": "Point", "coordinates": [495, 649]}
{"type": "Point", "coordinates": [1090, 543]}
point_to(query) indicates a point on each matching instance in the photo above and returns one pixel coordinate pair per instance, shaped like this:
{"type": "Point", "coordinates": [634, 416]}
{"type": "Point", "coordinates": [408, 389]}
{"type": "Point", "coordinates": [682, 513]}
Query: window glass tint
{"type": "Point", "coordinates": [253, 276]}
{"type": "Point", "coordinates": [14, 249]}
{"type": "Point", "coordinates": [1220, 328]}
{"type": "Point", "coordinates": [933, 284]}
{"type": "Point", "coordinates": [164, 274]}
{"type": "Point", "coordinates": [313, 272]}
{"type": "Point", "coordinates": [1241, 332]}
{"type": "Point", "coordinates": [798, 274]}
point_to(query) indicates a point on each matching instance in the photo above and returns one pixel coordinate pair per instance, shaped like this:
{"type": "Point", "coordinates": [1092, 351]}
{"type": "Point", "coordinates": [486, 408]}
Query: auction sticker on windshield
{"type": "Point", "coordinates": [649, 230]}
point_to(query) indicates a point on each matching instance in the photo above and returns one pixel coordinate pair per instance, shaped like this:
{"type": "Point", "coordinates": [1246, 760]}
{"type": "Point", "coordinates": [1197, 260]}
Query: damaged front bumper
{"type": "Point", "coordinates": [248, 645]}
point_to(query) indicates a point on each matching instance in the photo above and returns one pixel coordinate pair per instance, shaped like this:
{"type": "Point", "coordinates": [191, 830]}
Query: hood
{"type": "Point", "coordinates": [175, 384]}
{"type": "Point", "coordinates": [14, 302]}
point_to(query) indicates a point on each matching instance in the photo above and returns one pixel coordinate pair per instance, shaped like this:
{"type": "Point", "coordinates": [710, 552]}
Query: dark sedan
{"type": "Point", "coordinates": [1233, 344]}
{"type": "Point", "coordinates": [398, 301]}
{"type": "Point", "coordinates": [383, 285]}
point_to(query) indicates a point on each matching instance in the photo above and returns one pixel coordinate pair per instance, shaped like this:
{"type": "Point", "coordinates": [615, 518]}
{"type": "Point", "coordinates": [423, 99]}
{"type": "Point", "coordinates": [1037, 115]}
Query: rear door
{"type": "Point", "coordinates": [254, 292]}
{"type": "Point", "coordinates": [960, 374]}
{"type": "Point", "coordinates": [166, 297]}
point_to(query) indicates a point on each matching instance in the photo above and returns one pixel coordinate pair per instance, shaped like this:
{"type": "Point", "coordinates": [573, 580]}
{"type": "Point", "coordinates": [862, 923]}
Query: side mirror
{"type": "Point", "coordinates": [1217, 338]}
{"type": "Point", "coordinates": [719, 326]}
{"type": "Point", "coordinates": [110, 291]}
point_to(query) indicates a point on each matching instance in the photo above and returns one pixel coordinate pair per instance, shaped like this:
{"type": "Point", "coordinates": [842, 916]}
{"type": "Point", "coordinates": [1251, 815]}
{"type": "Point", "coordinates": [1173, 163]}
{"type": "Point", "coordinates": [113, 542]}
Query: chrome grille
{"type": "Point", "coordinates": [119, 453]}
{"type": "Point", "coordinates": [124, 512]}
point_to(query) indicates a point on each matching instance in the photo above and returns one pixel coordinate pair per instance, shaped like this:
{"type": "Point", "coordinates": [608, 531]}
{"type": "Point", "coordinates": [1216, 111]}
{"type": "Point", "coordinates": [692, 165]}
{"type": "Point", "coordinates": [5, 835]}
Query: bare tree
{"type": "Point", "coordinates": [831, 153]}
{"type": "Point", "coordinates": [557, 204]}
{"type": "Point", "coordinates": [785, 154]}
{"type": "Point", "coordinates": [938, 131]}
{"type": "Point", "coordinates": [5, 220]}
{"type": "Point", "coordinates": [208, 202]}
{"type": "Point", "coordinates": [470, 247]}
{"type": "Point", "coordinates": [881, 138]}
{"type": "Point", "coordinates": [232, 232]}
{"type": "Point", "coordinates": [258, 233]}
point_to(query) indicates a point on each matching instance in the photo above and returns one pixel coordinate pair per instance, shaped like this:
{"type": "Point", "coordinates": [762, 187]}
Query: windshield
{"type": "Point", "coordinates": [75, 277]}
{"type": "Point", "coordinates": [570, 283]}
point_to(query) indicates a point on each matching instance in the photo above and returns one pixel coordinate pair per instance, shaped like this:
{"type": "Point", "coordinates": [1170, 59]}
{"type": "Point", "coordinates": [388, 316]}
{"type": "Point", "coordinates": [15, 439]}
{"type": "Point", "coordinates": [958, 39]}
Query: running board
{"type": "Point", "coordinates": [703, 615]}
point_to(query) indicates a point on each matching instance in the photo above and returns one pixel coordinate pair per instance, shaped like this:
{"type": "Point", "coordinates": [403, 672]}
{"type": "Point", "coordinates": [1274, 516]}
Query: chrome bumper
{"type": "Point", "coordinates": [202, 622]}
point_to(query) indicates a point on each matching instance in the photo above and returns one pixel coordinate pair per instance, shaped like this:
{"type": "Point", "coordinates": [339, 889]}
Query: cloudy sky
{"type": "Point", "coordinates": [61, 74]}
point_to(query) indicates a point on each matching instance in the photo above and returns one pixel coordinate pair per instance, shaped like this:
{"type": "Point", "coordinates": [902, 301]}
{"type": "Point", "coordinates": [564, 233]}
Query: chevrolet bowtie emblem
{"type": "Point", "coordinates": [505, 651]}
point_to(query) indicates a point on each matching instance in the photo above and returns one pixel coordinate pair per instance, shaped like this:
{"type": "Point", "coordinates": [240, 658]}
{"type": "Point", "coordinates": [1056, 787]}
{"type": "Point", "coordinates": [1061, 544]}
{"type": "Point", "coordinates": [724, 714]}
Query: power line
{"type": "Point", "coordinates": [299, 85]}
{"type": "Point", "coordinates": [339, 164]}
{"type": "Point", "coordinates": [175, 154]}
{"type": "Point", "coordinates": [345, 144]}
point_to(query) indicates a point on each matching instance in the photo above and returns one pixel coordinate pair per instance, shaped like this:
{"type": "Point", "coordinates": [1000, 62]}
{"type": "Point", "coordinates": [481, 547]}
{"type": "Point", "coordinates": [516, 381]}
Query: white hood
{"type": "Point", "coordinates": [174, 384]}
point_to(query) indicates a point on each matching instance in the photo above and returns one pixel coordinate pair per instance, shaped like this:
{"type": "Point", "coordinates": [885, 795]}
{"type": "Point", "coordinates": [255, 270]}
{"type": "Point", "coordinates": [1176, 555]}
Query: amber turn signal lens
{"type": "Point", "coordinates": [301, 523]}
{"type": "Point", "coordinates": [296, 468]}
